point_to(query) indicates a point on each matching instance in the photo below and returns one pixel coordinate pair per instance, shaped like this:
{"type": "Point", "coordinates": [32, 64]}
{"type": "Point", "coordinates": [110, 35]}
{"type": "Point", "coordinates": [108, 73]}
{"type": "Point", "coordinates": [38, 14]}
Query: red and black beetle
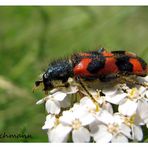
{"type": "Point", "coordinates": [98, 64]}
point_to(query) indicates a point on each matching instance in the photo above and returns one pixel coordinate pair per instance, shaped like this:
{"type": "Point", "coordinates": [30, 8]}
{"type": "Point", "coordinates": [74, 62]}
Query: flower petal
{"type": "Point", "coordinates": [137, 133]}
{"type": "Point", "coordinates": [67, 118]}
{"type": "Point", "coordinates": [128, 108]}
{"type": "Point", "coordinates": [50, 121]}
{"type": "Point", "coordinates": [102, 135]}
{"type": "Point", "coordinates": [87, 119]}
{"type": "Point", "coordinates": [80, 112]}
{"type": "Point", "coordinates": [59, 96]}
{"type": "Point", "coordinates": [142, 79]}
{"type": "Point", "coordinates": [107, 106]}
{"type": "Point", "coordinates": [105, 117]}
{"type": "Point", "coordinates": [143, 111]}
{"type": "Point", "coordinates": [87, 102]}
{"type": "Point", "coordinates": [40, 101]}
{"type": "Point", "coordinates": [52, 107]}
{"type": "Point", "coordinates": [119, 138]}
{"type": "Point", "coordinates": [81, 135]}
{"type": "Point", "coordinates": [66, 102]}
{"type": "Point", "coordinates": [142, 90]}
{"type": "Point", "coordinates": [59, 134]}
{"type": "Point", "coordinates": [116, 99]}
{"type": "Point", "coordinates": [124, 129]}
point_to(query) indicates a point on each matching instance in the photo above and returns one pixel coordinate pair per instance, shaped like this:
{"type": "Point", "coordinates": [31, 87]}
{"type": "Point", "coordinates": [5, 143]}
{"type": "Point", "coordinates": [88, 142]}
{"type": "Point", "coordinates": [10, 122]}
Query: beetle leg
{"type": "Point", "coordinates": [89, 94]}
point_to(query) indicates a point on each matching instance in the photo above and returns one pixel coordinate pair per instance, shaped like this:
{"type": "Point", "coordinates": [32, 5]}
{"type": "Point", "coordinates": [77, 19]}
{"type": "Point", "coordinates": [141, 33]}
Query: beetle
{"type": "Point", "coordinates": [90, 65]}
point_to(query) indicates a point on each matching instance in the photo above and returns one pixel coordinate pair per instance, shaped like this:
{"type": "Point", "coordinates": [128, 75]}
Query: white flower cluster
{"type": "Point", "coordinates": [116, 114]}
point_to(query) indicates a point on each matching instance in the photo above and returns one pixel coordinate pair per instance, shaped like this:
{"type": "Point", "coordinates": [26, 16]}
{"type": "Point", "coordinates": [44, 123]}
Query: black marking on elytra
{"type": "Point", "coordinates": [124, 65]}
{"type": "Point", "coordinates": [96, 64]}
{"type": "Point", "coordinates": [143, 63]}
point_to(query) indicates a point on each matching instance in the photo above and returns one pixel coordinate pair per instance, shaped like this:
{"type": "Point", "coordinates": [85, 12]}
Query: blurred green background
{"type": "Point", "coordinates": [30, 37]}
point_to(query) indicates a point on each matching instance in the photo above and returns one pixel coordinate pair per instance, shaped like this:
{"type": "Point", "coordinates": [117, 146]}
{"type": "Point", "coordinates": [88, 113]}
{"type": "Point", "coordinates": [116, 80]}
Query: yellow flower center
{"type": "Point", "coordinates": [91, 110]}
{"type": "Point", "coordinates": [129, 121]}
{"type": "Point", "coordinates": [133, 94]}
{"type": "Point", "coordinates": [76, 124]}
{"type": "Point", "coordinates": [56, 123]}
{"type": "Point", "coordinates": [113, 128]}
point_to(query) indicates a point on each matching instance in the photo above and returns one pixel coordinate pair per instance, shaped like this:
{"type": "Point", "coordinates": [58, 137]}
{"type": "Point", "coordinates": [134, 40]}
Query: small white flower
{"type": "Point", "coordinates": [134, 99]}
{"type": "Point", "coordinates": [110, 129]}
{"type": "Point", "coordinates": [96, 95]}
{"type": "Point", "coordinates": [88, 104]}
{"type": "Point", "coordinates": [128, 108]}
{"type": "Point", "coordinates": [50, 122]}
{"type": "Point", "coordinates": [58, 134]}
{"type": "Point", "coordinates": [136, 131]}
{"type": "Point", "coordinates": [91, 109]}
{"type": "Point", "coordinates": [115, 95]}
{"type": "Point", "coordinates": [55, 129]}
{"type": "Point", "coordinates": [53, 102]}
{"type": "Point", "coordinates": [94, 107]}
{"type": "Point", "coordinates": [77, 120]}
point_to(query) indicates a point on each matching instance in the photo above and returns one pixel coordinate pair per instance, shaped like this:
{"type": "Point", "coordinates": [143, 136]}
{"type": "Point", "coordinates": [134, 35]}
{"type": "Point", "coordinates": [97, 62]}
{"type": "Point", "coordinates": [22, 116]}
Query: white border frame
{"type": "Point", "coordinates": [75, 2]}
